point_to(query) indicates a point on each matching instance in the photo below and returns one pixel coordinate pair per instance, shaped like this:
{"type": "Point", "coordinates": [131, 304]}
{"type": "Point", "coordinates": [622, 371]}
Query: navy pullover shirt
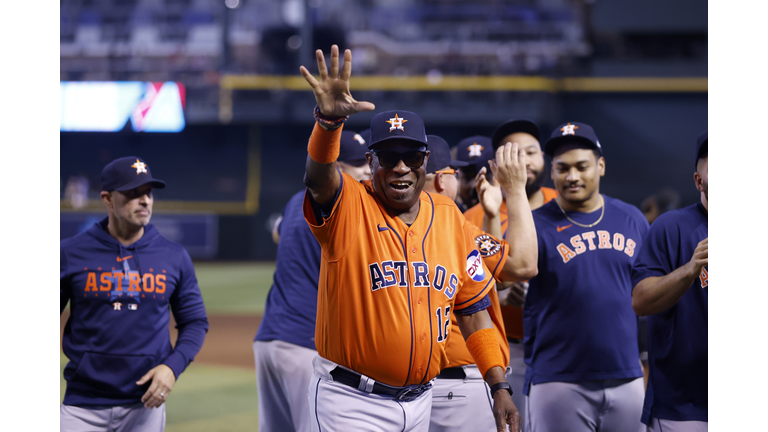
{"type": "Point", "coordinates": [578, 320]}
{"type": "Point", "coordinates": [291, 309]}
{"type": "Point", "coordinates": [677, 337]}
{"type": "Point", "coordinates": [118, 325]}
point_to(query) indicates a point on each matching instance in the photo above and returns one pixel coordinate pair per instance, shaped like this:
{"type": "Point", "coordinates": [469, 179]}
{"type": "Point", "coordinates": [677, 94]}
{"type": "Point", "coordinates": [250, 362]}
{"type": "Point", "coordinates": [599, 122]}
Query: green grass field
{"type": "Point", "coordinates": [235, 288]}
{"type": "Point", "coordinates": [216, 398]}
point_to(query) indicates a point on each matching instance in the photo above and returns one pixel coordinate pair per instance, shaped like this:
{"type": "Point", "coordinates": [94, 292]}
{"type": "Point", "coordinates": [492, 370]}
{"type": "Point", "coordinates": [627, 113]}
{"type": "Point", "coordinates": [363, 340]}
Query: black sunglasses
{"type": "Point", "coordinates": [389, 159]}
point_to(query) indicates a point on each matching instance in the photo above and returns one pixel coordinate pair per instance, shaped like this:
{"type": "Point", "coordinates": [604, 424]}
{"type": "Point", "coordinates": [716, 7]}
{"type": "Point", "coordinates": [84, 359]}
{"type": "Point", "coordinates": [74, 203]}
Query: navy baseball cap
{"type": "Point", "coordinates": [397, 124]}
{"type": "Point", "coordinates": [353, 147]}
{"type": "Point", "coordinates": [701, 144]}
{"type": "Point", "coordinates": [366, 134]}
{"type": "Point", "coordinates": [572, 132]}
{"type": "Point", "coordinates": [513, 126]}
{"type": "Point", "coordinates": [440, 155]}
{"type": "Point", "coordinates": [127, 173]}
{"type": "Point", "coordinates": [475, 150]}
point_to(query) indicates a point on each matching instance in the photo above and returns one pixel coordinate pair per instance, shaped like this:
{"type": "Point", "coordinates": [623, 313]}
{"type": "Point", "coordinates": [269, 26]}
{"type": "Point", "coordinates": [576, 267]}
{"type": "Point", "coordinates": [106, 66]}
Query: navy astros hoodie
{"type": "Point", "coordinates": [118, 324]}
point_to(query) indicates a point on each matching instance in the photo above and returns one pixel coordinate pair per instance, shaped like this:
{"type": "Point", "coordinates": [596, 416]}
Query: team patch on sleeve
{"type": "Point", "coordinates": [487, 245]}
{"type": "Point", "coordinates": [475, 266]}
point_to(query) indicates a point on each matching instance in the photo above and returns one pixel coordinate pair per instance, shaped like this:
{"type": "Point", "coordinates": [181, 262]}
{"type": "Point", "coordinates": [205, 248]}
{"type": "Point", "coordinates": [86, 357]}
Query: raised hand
{"type": "Point", "coordinates": [509, 167]}
{"type": "Point", "coordinates": [488, 193]}
{"type": "Point", "coordinates": [700, 258]}
{"type": "Point", "coordinates": [332, 91]}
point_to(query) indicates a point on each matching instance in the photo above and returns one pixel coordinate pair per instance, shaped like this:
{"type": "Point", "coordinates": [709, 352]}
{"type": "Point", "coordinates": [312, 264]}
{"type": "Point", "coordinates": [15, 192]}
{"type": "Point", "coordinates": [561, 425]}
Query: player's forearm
{"type": "Point", "coordinates": [522, 261]}
{"type": "Point", "coordinates": [469, 324]}
{"type": "Point", "coordinates": [492, 224]}
{"type": "Point", "coordinates": [654, 295]}
{"type": "Point", "coordinates": [495, 375]}
{"type": "Point", "coordinates": [322, 179]}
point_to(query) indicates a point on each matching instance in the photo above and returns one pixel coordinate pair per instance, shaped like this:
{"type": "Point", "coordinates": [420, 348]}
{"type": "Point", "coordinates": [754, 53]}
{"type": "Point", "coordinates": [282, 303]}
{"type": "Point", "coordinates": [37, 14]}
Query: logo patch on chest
{"type": "Point", "coordinates": [475, 266]}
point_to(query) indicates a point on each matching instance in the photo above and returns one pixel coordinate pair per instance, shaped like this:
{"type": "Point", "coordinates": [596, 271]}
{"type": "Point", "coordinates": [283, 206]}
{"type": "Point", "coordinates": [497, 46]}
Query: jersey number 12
{"type": "Point", "coordinates": [443, 323]}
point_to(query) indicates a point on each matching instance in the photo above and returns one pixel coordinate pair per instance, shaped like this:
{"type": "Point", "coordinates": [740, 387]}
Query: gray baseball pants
{"type": "Point", "coordinates": [460, 405]}
{"type": "Point", "coordinates": [283, 372]}
{"type": "Point", "coordinates": [115, 419]}
{"type": "Point", "coordinates": [338, 407]}
{"type": "Point", "coordinates": [661, 425]}
{"type": "Point", "coordinates": [586, 406]}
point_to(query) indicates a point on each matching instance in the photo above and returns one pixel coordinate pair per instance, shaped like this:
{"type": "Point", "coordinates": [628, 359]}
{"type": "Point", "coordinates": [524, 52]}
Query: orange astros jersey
{"type": "Point", "coordinates": [387, 291]}
{"type": "Point", "coordinates": [513, 317]}
{"type": "Point", "coordinates": [494, 253]}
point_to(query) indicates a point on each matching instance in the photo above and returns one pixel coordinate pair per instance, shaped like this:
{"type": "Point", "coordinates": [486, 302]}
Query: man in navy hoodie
{"type": "Point", "coordinates": [119, 277]}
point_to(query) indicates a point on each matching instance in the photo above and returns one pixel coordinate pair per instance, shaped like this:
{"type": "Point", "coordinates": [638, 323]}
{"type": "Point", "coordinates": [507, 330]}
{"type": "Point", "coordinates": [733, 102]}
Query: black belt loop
{"type": "Point", "coordinates": [456, 372]}
{"type": "Point", "coordinates": [405, 394]}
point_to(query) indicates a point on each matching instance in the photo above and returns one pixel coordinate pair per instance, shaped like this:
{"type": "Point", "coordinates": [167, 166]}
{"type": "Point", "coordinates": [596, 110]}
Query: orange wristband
{"type": "Point", "coordinates": [484, 347]}
{"type": "Point", "coordinates": [324, 145]}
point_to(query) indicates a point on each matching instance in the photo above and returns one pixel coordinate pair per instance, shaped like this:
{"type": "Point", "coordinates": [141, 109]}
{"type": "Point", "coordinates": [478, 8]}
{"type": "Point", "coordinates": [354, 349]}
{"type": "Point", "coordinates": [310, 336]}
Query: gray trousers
{"type": "Point", "coordinates": [460, 405]}
{"type": "Point", "coordinates": [337, 407]}
{"type": "Point", "coordinates": [116, 419]}
{"type": "Point", "coordinates": [283, 373]}
{"type": "Point", "coordinates": [677, 426]}
{"type": "Point", "coordinates": [586, 406]}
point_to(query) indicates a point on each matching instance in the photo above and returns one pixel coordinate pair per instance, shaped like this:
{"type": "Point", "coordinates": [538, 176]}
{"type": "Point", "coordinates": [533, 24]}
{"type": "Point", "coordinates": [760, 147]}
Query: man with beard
{"type": "Point", "coordinates": [526, 134]}
{"type": "Point", "coordinates": [396, 263]}
{"type": "Point", "coordinates": [460, 389]}
{"type": "Point", "coordinates": [580, 330]}
{"type": "Point", "coordinates": [671, 287]}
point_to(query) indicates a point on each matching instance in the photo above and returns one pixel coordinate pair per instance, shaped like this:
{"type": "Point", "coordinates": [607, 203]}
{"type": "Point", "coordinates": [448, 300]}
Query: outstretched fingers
{"type": "Point", "coordinates": [321, 65]}
{"type": "Point", "coordinates": [308, 77]}
{"type": "Point", "coordinates": [363, 106]}
{"type": "Point", "coordinates": [335, 62]}
{"type": "Point", "coordinates": [346, 68]}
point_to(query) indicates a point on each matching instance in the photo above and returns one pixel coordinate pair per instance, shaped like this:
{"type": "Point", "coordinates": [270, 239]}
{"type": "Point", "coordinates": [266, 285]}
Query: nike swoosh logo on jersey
{"type": "Point", "coordinates": [123, 259]}
{"type": "Point", "coordinates": [381, 228]}
{"type": "Point", "coordinates": [559, 229]}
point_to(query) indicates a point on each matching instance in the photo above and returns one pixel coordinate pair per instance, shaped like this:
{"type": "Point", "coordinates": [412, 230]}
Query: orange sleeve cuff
{"type": "Point", "coordinates": [324, 145]}
{"type": "Point", "coordinates": [484, 347]}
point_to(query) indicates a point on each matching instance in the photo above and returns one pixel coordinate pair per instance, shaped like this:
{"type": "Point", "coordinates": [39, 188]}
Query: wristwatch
{"type": "Point", "coordinates": [499, 386]}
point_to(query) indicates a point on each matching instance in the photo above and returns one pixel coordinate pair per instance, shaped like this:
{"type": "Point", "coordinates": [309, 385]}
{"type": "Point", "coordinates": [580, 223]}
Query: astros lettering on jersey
{"type": "Point", "coordinates": [376, 270]}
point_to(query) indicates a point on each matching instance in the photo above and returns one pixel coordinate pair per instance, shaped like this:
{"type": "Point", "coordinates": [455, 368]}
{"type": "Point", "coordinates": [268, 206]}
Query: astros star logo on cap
{"type": "Point", "coordinates": [396, 123]}
{"type": "Point", "coordinates": [475, 150]}
{"type": "Point", "coordinates": [569, 129]}
{"type": "Point", "coordinates": [141, 167]}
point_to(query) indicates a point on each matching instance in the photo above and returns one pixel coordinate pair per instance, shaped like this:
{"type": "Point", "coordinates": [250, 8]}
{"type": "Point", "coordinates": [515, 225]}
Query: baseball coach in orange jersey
{"type": "Point", "coordinates": [396, 263]}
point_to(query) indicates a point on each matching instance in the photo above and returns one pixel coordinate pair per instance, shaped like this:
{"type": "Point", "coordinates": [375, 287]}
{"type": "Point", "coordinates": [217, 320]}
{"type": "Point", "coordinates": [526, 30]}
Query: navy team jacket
{"type": "Point", "coordinates": [118, 324]}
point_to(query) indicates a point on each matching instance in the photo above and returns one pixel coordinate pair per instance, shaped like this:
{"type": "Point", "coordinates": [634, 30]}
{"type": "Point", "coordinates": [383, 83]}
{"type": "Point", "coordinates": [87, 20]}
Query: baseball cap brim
{"type": "Point", "coordinates": [455, 163]}
{"type": "Point", "coordinates": [551, 146]}
{"type": "Point", "coordinates": [511, 127]}
{"type": "Point", "coordinates": [387, 140]}
{"type": "Point", "coordinates": [157, 184]}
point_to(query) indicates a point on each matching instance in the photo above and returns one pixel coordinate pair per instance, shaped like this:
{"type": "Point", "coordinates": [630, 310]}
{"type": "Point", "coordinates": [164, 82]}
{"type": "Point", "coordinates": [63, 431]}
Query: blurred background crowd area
{"type": "Point", "coordinates": [208, 93]}
{"type": "Point", "coordinates": [195, 40]}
